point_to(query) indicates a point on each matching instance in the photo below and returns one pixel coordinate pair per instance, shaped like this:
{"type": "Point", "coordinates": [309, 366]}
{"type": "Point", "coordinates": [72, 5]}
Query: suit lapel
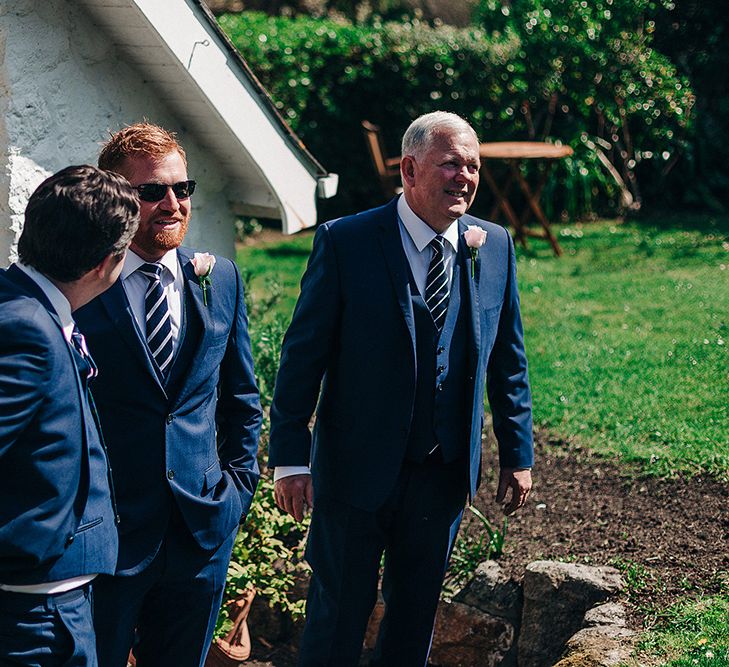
{"type": "Point", "coordinates": [202, 311]}
{"type": "Point", "coordinates": [397, 264]}
{"type": "Point", "coordinates": [120, 313]}
{"type": "Point", "coordinates": [192, 284]}
{"type": "Point", "coordinates": [473, 285]}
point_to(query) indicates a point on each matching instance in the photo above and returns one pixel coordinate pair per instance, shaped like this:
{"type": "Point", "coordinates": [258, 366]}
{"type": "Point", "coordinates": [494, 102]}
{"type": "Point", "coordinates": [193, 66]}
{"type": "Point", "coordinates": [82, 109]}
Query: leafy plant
{"type": "Point", "coordinates": [268, 555]}
{"type": "Point", "coordinates": [638, 580]}
{"type": "Point", "coordinates": [471, 550]}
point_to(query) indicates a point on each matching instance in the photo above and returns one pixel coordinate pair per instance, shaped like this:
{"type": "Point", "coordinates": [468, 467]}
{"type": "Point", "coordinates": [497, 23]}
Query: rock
{"type": "Point", "coordinates": [493, 592]}
{"type": "Point", "coordinates": [465, 636]}
{"type": "Point", "coordinates": [556, 597]}
{"type": "Point", "coordinates": [605, 642]}
{"type": "Point", "coordinates": [610, 613]}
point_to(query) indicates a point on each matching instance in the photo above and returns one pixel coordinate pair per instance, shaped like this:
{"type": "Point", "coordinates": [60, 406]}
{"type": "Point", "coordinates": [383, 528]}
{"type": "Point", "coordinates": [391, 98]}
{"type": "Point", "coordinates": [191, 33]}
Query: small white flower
{"type": "Point", "coordinates": [474, 236]}
{"type": "Point", "coordinates": [203, 263]}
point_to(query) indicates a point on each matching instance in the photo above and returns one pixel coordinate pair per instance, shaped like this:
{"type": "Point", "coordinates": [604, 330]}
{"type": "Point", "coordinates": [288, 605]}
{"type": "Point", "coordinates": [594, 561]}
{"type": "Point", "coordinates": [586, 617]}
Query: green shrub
{"type": "Point", "coordinates": [588, 72]}
{"type": "Point", "coordinates": [584, 75]}
{"type": "Point", "coordinates": [268, 553]}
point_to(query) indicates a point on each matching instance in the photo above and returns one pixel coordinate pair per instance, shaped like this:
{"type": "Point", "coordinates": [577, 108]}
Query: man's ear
{"type": "Point", "coordinates": [407, 170]}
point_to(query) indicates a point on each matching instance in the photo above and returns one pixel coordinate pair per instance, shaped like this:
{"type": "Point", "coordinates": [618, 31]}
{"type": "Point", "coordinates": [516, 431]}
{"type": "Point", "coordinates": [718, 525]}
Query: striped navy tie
{"type": "Point", "coordinates": [436, 284]}
{"type": "Point", "coordinates": [159, 327]}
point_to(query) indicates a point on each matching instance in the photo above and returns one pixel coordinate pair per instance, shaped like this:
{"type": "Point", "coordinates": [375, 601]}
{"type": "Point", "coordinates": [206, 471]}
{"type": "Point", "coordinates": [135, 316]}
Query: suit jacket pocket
{"type": "Point", "coordinates": [89, 524]}
{"type": "Point", "coordinates": [212, 476]}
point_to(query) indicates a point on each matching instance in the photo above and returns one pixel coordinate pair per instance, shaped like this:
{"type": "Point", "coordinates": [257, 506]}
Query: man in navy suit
{"type": "Point", "coordinates": [181, 414]}
{"type": "Point", "coordinates": [57, 515]}
{"type": "Point", "coordinates": [399, 328]}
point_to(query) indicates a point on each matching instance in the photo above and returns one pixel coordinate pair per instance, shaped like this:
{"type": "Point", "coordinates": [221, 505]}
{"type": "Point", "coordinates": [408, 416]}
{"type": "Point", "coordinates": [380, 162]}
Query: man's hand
{"type": "Point", "coordinates": [294, 494]}
{"type": "Point", "coordinates": [520, 483]}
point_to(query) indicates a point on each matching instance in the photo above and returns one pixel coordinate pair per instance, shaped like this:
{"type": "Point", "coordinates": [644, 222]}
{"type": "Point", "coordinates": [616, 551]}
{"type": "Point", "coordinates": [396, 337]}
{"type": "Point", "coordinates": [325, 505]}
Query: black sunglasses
{"type": "Point", "coordinates": [158, 191]}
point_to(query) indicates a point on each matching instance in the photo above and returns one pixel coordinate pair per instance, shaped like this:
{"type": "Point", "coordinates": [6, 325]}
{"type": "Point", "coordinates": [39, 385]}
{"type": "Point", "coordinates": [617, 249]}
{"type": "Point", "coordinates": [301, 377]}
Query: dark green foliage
{"type": "Point", "coordinates": [327, 76]}
{"type": "Point", "coordinates": [694, 34]}
{"type": "Point", "coordinates": [586, 76]}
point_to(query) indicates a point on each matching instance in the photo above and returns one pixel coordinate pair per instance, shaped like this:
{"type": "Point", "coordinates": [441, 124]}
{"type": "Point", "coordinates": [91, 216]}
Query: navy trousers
{"type": "Point", "coordinates": [47, 630]}
{"type": "Point", "coordinates": [415, 529]}
{"type": "Point", "coordinates": [168, 610]}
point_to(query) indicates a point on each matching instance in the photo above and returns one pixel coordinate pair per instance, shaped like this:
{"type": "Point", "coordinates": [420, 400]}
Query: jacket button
{"type": "Point", "coordinates": [170, 418]}
{"type": "Point", "coordinates": [441, 349]}
{"type": "Point", "coordinates": [440, 387]}
{"type": "Point", "coordinates": [441, 369]}
{"type": "Point", "coordinates": [69, 540]}
{"type": "Point", "coordinates": [170, 474]}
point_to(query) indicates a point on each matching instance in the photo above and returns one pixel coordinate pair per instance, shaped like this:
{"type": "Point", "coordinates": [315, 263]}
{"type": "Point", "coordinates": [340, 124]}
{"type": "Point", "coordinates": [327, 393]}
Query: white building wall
{"type": "Point", "coordinates": [63, 87]}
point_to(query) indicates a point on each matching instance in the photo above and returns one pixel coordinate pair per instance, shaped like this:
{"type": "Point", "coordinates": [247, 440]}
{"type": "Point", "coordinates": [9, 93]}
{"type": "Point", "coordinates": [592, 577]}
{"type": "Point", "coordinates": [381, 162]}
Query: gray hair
{"type": "Point", "coordinates": [422, 130]}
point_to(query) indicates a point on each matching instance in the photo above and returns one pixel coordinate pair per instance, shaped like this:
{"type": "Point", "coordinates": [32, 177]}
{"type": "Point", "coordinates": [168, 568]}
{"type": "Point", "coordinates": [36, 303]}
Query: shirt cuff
{"type": "Point", "coordinates": [279, 472]}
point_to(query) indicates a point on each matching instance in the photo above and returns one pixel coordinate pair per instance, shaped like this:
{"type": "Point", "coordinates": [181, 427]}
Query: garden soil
{"type": "Point", "coordinates": [669, 536]}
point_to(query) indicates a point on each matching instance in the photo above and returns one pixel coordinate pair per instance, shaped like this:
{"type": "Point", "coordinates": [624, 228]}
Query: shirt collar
{"type": "Point", "coordinates": [419, 231]}
{"type": "Point", "coordinates": [54, 295]}
{"type": "Point", "coordinates": [133, 261]}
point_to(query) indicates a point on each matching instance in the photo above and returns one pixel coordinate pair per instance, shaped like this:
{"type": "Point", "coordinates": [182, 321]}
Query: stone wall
{"type": "Point", "coordinates": [556, 617]}
{"type": "Point", "coordinates": [63, 87]}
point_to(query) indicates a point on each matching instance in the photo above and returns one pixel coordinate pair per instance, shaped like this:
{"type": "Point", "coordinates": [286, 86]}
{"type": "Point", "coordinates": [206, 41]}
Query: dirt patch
{"type": "Point", "coordinates": [671, 534]}
{"type": "Point", "coordinates": [589, 509]}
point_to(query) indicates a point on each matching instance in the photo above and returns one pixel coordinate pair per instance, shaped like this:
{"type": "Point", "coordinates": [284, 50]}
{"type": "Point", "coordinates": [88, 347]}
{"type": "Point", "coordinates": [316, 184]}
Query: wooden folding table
{"type": "Point", "coordinates": [513, 152]}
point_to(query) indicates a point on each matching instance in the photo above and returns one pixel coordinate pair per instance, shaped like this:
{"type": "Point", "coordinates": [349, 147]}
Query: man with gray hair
{"type": "Point", "coordinates": [407, 314]}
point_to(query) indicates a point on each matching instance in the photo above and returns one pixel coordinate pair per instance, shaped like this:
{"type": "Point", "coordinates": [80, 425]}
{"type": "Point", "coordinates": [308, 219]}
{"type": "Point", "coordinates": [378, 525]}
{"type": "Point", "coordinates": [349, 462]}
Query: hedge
{"type": "Point", "coordinates": [326, 76]}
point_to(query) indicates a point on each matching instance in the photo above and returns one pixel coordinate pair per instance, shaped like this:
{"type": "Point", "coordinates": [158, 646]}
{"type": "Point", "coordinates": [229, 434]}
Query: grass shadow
{"type": "Point", "coordinates": [673, 221]}
{"type": "Point", "coordinates": [287, 251]}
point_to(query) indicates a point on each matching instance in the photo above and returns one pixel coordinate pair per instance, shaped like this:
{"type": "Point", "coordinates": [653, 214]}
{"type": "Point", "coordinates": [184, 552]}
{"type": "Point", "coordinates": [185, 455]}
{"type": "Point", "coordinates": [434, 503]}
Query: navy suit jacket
{"type": "Point", "coordinates": [351, 346]}
{"type": "Point", "coordinates": [56, 517]}
{"type": "Point", "coordinates": [191, 441]}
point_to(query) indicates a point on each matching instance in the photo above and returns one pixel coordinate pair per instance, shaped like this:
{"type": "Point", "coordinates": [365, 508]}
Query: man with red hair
{"type": "Point", "coordinates": [181, 415]}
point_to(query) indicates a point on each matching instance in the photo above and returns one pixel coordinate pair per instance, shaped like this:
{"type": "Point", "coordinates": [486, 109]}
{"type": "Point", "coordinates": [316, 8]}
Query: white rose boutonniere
{"type": "Point", "coordinates": [475, 237]}
{"type": "Point", "coordinates": [203, 264]}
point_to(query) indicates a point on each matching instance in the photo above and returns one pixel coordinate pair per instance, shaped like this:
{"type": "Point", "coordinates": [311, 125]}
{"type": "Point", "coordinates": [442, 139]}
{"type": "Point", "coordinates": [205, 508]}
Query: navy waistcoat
{"type": "Point", "coordinates": [443, 391]}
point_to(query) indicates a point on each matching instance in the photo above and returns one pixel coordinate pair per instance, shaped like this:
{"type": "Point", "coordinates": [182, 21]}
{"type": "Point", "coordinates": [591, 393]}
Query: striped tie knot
{"type": "Point", "coordinates": [436, 283]}
{"type": "Point", "coordinates": [152, 270]}
{"type": "Point", "coordinates": [157, 314]}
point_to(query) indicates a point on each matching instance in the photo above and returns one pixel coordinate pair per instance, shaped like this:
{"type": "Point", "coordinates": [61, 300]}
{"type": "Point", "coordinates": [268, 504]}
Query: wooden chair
{"type": "Point", "coordinates": [388, 169]}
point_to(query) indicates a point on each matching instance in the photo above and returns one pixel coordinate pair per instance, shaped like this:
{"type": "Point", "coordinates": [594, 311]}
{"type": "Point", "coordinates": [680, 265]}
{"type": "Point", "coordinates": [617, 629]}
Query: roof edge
{"type": "Point", "coordinates": [263, 94]}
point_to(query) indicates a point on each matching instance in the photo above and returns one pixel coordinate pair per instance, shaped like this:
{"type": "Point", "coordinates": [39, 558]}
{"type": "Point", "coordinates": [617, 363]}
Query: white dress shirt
{"type": "Point", "coordinates": [136, 285]}
{"type": "Point", "coordinates": [416, 236]}
{"type": "Point", "coordinates": [63, 309]}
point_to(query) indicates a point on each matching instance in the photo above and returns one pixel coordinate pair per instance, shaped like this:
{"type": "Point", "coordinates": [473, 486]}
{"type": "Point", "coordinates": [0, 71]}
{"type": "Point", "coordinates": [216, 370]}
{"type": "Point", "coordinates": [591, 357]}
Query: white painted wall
{"type": "Point", "coordinates": [63, 87]}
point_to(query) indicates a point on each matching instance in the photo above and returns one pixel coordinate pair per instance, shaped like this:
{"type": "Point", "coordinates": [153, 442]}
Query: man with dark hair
{"type": "Point", "coordinates": [407, 313]}
{"type": "Point", "coordinates": [57, 515]}
{"type": "Point", "coordinates": [181, 415]}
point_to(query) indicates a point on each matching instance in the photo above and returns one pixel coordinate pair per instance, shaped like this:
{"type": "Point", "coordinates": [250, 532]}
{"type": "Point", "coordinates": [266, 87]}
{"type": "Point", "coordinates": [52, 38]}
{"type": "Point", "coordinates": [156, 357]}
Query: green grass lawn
{"type": "Point", "coordinates": [628, 343]}
{"type": "Point", "coordinates": [627, 335]}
